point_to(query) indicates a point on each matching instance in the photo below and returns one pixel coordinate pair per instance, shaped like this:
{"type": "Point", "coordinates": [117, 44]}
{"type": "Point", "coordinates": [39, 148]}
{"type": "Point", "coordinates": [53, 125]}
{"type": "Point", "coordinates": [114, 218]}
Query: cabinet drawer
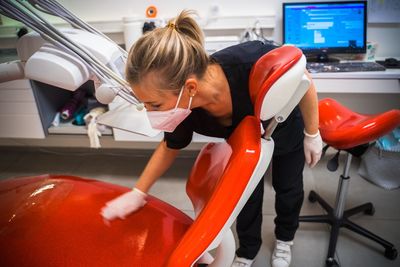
{"type": "Point", "coordinates": [16, 84]}
{"type": "Point", "coordinates": [16, 95]}
{"type": "Point", "coordinates": [21, 126]}
{"type": "Point", "coordinates": [18, 108]}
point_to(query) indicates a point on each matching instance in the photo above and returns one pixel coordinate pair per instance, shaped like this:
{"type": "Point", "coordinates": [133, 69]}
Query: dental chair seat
{"type": "Point", "coordinates": [54, 220]}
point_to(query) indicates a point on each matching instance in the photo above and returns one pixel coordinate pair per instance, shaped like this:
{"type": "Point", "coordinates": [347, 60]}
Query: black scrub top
{"type": "Point", "coordinates": [236, 62]}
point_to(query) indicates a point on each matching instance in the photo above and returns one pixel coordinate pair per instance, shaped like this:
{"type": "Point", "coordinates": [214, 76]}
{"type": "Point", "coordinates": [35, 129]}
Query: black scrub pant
{"type": "Point", "coordinates": [287, 181]}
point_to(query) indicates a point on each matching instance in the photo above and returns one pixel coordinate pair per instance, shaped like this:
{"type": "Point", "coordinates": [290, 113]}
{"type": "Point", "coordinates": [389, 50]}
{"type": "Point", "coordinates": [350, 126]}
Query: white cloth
{"type": "Point", "coordinates": [93, 130]}
{"type": "Point", "coordinates": [124, 205]}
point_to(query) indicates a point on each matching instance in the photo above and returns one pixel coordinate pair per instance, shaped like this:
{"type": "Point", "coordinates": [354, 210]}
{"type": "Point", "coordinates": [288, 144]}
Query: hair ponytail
{"type": "Point", "coordinates": [185, 24]}
{"type": "Point", "coordinates": [173, 52]}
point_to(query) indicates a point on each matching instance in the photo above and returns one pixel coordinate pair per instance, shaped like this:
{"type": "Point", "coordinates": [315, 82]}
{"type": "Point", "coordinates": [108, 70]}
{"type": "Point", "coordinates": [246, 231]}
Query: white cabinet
{"type": "Point", "coordinates": [19, 115]}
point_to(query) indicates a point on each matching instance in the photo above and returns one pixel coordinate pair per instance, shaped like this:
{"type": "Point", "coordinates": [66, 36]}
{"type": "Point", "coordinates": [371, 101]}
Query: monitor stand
{"type": "Point", "coordinates": [321, 58]}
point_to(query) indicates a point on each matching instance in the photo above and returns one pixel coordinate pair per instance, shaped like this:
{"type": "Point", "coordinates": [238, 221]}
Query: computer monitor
{"type": "Point", "coordinates": [323, 28]}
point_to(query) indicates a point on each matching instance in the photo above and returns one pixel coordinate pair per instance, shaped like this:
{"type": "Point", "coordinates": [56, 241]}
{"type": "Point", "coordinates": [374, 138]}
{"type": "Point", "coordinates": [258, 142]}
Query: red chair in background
{"type": "Point", "coordinates": [54, 220]}
{"type": "Point", "coordinates": [346, 130]}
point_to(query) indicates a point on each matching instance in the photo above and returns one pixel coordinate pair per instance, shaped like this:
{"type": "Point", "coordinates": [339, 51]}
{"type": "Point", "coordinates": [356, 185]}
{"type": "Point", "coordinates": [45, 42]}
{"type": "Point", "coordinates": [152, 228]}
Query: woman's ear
{"type": "Point", "coordinates": [191, 85]}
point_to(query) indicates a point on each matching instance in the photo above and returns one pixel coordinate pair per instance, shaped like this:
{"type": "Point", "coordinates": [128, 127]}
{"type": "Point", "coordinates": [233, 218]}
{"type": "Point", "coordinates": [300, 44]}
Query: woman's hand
{"type": "Point", "coordinates": [312, 148]}
{"type": "Point", "coordinates": [124, 205]}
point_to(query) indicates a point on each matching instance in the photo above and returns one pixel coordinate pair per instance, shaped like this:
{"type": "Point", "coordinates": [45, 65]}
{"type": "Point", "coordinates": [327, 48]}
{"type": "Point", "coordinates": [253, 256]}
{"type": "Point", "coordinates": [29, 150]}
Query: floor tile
{"type": "Point", "coordinates": [123, 167]}
{"type": "Point", "coordinates": [8, 157]}
{"type": "Point", "coordinates": [355, 250]}
{"type": "Point", "coordinates": [44, 163]}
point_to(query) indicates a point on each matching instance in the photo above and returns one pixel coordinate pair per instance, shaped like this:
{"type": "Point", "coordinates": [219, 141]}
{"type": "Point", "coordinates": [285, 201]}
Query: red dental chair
{"type": "Point", "coordinates": [54, 220]}
{"type": "Point", "coordinates": [346, 130]}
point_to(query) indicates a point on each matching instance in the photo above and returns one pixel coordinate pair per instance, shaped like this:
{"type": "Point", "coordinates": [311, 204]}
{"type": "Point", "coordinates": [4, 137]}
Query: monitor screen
{"type": "Point", "coordinates": [326, 27]}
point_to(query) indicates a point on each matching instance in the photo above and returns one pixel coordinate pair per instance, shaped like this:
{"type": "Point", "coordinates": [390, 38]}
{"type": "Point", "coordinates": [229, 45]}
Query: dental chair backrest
{"type": "Point", "coordinates": [277, 83]}
{"type": "Point", "coordinates": [225, 174]}
{"type": "Point", "coordinates": [221, 181]}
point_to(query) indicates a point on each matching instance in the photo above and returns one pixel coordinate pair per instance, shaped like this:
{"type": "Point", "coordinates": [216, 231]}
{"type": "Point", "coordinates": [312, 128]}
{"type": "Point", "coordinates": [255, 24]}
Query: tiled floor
{"type": "Point", "coordinates": [311, 242]}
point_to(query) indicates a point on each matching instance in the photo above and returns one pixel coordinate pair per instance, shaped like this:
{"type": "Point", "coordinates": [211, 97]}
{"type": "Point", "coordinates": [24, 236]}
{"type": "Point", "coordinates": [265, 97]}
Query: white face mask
{"type": "Point", "coordinates": [168, 120]}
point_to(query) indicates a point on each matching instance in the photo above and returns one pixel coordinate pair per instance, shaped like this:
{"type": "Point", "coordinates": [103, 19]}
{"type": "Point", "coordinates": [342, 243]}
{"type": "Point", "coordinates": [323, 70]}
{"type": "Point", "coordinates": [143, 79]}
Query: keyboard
{"type": "Point", "coordinates": [316, 67]}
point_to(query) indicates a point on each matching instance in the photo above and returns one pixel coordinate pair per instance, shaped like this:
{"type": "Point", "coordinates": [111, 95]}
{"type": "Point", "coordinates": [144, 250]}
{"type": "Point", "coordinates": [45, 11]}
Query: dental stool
{"type": "Point", "coordinates": [346, 130]}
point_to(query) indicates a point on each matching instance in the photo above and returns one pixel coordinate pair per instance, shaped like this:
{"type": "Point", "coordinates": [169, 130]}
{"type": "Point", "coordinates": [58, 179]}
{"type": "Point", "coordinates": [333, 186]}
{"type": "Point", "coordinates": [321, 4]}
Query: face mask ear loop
{"type": "Point", "coordinates": [179, 97]}
{"type": "Point", "coordinates": [190, 102]}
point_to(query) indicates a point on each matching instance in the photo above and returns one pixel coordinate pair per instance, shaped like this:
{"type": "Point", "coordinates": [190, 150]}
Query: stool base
{"type": "Point", "coordinates": [337, 223]}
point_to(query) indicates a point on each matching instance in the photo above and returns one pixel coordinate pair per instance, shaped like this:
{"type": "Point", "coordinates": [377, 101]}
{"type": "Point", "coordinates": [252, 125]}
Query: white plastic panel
{"type": "Point", "coordinates": [281, 92]}
{"type": "Point", "coordinates": [54, 67]}
{"type": "Point", "coordinates": [101, 48]}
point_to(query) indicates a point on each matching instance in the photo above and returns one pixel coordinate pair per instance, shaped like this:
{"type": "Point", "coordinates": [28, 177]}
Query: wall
{"type": "Point", "coordinates": [387, 35]}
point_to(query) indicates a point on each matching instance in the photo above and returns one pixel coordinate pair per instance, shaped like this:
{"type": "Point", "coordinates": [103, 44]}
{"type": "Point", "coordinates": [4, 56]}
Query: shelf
{"type": "Point", "coordinates": [239, 22]}
{"type": "Point", "coordinates": [69, 128]}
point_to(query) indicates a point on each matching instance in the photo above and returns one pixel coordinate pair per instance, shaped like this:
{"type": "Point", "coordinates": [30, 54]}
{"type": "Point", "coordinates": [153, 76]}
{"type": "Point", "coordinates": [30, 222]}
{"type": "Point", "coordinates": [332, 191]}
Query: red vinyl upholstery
{"type": "Point", "coordinates": [216, 183]}
{"type": "Point", "coordinates": [343, 128]}
{"type": "Point", "coordinates": [54, 220]}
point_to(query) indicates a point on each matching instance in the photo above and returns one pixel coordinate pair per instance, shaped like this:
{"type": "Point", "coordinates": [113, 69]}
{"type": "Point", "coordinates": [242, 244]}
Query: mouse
{"type": "Point", "coordinates": [391, 62]}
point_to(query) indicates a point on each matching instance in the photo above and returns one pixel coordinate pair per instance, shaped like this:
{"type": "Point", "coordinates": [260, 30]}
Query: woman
{"type": "Point", "coordinates": [184, 91]}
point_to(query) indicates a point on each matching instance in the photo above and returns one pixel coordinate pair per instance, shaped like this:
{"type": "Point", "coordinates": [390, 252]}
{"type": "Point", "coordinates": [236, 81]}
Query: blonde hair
{"type": "Point", "coordinates": [173, 52]}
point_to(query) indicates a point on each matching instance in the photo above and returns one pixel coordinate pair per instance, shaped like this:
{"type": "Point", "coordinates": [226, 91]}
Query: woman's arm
{"type": "Point", "coordinates": [135, 199]}
{"type": "Point", "coordinates": [160, 161]}
{"type": "Point", "coordinates": [309, 109]}
{"type": "Point", "coordinates": [312, 138]}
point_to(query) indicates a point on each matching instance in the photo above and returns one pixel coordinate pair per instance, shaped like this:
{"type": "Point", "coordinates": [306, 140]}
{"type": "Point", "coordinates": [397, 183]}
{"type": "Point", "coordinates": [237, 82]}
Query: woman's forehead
{"type": "Point", "coordinates": [146, 93]}
{"type": "Point", "coordinates": [150, 92]}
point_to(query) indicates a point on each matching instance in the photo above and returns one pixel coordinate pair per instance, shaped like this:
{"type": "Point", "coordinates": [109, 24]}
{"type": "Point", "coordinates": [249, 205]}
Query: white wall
{"type": "Point", "coordinates": [386, 35]}
{"type": "Point", "coordinates": [114, 9]}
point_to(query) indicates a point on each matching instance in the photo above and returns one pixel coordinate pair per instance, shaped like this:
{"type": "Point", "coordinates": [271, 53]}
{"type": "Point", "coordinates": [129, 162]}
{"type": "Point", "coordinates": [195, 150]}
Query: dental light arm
{"type": "Point", "coordinates": [102, 74]}
{"type": "Point", "coordinates": [10, 71]}
{"type": "Point", "coordinates": [73, 56]}
{"type": "Point", "coordinates": [54, 8]}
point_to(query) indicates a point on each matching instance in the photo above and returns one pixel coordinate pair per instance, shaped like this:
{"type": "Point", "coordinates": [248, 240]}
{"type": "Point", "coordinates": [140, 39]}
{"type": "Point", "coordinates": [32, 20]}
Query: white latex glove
{"type": "Point", "coordinates": [312, 148]}
{"type": "Point", "coordinates": [124, 205]}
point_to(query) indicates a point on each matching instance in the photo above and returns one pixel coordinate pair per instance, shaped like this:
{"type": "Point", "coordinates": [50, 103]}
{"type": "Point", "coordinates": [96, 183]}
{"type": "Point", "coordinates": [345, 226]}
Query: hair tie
{"type": "Point", "coordinates": [171, 25]}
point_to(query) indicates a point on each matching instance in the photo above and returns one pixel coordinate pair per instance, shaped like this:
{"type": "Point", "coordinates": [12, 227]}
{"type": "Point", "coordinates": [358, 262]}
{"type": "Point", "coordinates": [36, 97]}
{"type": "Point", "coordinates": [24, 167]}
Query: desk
{"type": "Point", "coordinates": [365, 92]}
{"type": "Point", "coordinates": [380, 82]}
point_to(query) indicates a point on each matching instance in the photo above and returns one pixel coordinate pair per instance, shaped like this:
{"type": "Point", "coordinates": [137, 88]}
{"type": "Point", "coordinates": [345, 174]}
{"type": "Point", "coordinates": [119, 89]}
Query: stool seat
{"type": "Point", "coordinates": [343, 128]}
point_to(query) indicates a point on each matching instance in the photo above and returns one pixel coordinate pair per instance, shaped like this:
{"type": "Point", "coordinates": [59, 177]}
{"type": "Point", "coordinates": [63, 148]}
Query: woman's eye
{"type": "Point", "coordinates": [153, 106]}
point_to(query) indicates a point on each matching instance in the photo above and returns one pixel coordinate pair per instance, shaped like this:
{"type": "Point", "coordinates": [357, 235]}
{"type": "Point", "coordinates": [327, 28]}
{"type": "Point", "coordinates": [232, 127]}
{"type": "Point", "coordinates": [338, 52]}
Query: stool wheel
{"type": "Point", "coordinates": [391, 253]}
{"type": "Point", "coordinates": [312, 197]}
{"type": "Point", "coordinates": [370, 211]}
{"type": "Point", "coordinates": [331, 263]}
